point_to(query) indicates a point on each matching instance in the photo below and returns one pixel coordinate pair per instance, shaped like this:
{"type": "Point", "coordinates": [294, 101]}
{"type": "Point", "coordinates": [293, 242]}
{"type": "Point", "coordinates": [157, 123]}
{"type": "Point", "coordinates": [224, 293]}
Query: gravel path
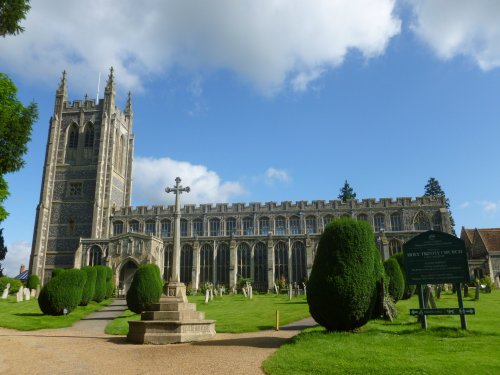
{"type": "Point", "coordinates": [84, 349]}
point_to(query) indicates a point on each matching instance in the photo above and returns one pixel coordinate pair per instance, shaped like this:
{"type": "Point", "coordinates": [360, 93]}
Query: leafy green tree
{"type": "Point", "coordinates": [12, 12]}
{"type": "Point", "coordinates": [3, 251]}
{"type": "Point", "coordinates": [433, 189]}
{"type": "Point", "coordinates": [16, 122]}
{"type": "Point", "coordinates": [346, 192]}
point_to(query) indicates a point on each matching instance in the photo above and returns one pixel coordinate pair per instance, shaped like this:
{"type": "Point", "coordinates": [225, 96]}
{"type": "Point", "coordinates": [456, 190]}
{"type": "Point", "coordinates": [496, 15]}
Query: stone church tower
{"type": "Point", "coordinates": [87, 173]}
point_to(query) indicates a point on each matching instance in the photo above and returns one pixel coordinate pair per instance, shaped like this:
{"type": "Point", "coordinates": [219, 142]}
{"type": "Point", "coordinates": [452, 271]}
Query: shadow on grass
{"type": "Point", "coordinates": [29, 314]}
{"type": "Point", "coordinates": [292, 303]}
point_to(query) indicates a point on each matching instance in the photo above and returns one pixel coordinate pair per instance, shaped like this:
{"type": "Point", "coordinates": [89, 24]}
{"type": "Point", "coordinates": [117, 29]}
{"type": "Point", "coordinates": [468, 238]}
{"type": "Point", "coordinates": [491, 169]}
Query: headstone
{"type": "Point", "coordinates": [276, 289]}
{"type": "Point", "coordinates": [211, 294]}
{"type": "Point", "coordinates": [438, 292]}
{"type": "Point", "coordinates": [19, 295]}
{"type": "Point", "coordinates": [33, 293]}
{"type": "Point", "coordinates": [250, 292]}
{"type": "Point", "coordinates": [476, 297]}
{"type": "Point", "coordinates": [305, 289]}
{"type": "Point", "coordinates": [27, 294]}
{"type": "Point", "coordinates": [38, 288]}
{"type": "Point", "coordinates": [244, 289]}
{"type": "Point", "coordinates": [215, 291]}
{"type": "Point", "coordinates": [221, 291]}
{"type": "Point", "coordinates": [207, 296]}
{"type": "Point", "coordinates": [6, 291]}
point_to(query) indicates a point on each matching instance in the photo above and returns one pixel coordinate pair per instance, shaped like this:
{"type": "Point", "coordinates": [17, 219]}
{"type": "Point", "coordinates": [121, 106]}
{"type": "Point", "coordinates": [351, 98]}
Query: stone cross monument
{"type": "Point", "coordinates": [175, 288]}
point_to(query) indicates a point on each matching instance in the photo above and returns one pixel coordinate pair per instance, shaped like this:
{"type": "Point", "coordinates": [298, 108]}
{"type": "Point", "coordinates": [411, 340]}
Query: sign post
{"type": "Point", "coordinates": [436, 258]}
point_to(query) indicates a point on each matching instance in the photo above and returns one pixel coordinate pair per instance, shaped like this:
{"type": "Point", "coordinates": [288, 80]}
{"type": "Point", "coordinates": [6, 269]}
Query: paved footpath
{"type": "Point", "coordinates": [85, 349]}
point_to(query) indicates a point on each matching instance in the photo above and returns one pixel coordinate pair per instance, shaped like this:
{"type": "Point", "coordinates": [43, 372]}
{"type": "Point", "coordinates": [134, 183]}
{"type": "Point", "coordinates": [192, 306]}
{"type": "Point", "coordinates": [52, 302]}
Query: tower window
{"type": "Point", "coordinates": [73, 138]}
{"type": "Point", "coordinates": [75, 189]}
{"type": "Point", "coordinates": [89, 137]}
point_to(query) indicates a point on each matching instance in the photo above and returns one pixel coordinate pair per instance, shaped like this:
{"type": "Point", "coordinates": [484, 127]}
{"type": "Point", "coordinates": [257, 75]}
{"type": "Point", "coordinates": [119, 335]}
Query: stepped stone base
{"type": "Point", "coordinates": [172, 320]}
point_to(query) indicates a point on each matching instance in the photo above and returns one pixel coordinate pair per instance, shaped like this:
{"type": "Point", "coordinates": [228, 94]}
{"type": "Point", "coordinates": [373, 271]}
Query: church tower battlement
{"type": "Point", "coordinates": [87, 173]}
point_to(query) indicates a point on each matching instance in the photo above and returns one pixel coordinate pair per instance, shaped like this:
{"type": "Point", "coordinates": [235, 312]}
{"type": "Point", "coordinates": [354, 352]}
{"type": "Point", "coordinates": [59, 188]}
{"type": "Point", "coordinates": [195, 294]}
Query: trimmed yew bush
{"type": "Point", "coordinates": [89, 287]}
{"type": "Point", "coordinates": [146, 288]}
{"type": "Point", "coordinates": [57, 271]}
{"type": "Point", "coordinates": [33, 282]}
{"type": "Point", "coordinates": [62, 292]}
{"type": "Point", "coordinates": [100, 284]}
{"type": "Point", "coordinates": [396, 282]}
{"type": "Point", "coordinates": [109, 283]}
{"type": "Point", "coordinates": [342, 288]}
{"type": "Point", "coordinates": [409, 289]}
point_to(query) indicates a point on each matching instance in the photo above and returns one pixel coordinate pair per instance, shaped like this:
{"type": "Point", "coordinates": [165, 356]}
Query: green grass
{"type": "Point", "coordinates": [235, 313]}
{"type": "Point", "coordinates": [27, 316]}
{"type": "Point", "coordinates": [400, 347]}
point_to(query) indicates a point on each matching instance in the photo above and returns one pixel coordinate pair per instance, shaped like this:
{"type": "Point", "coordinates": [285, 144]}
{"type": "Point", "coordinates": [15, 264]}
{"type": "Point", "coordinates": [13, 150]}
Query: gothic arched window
{"type": "Point", "coordinates": [166, 228]}
{"type": "Point", "coordinates": [299, 262]}
{"type": "Point", "coordinates": [260, 267]}
{"type": "Point", "coordinates": [327, 219]}
{"type": "Point", "coordinates": [222, 262]}
{"type": "Point", "coordinates": [150, 227]}
{"type": "Point", "coordinates": [294, 225]}
{"type": "Point", "coordinates": [396, 225]}
{"type": "Point", "coordinates": [281, 261]}
{"type": "Point", "coordinates": [311, 224]}
{"type": "Point", "coordinates": [421, 222]}
{"type": "Point", "coordinates": [215, 227]}
{"type": "Point", "coordinates": [379, 222]}
{"type": "Point", "coordinates": [247, 226]}
{"type": "Point", "coordinates": [89, 136]}
{"type": "Point", "coordinates": [280, 225]}
{"type": "Point", "coordinates": [186, 264]}
{"type": "Point", "coordinates": [263, 226]}
{"type": "Point", "coordinates": [231, 226]}
{"type": "Point", "coordinates": [206, 263]}
{"type": "Point", "coordinates": [436, 221]}
{"type": "Point", "coordinates": [117, 227]}
{"type": "Point", "coordinates": [197, 227]}
{"type": "Point", "coordinates": [243, 260]}
{"type": "Point", "coordinates": [95, 256]}
{"type": "Point", "coordinates": [73, 136]}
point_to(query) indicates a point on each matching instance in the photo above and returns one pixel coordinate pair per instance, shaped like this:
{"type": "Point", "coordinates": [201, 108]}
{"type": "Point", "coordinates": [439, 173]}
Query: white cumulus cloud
{"type": "Point", "coordinates": [151, 176]}
{"type": "Point", "coordinates": [18, 252]}
{"type": "Point", "coordinates": [490, 207]}
{"type": "Point", "coordinates": [274, 175]}
{"type": "Point", "coordinates": [270, 43]}
{"type": "Point", "coordinates": [460, 27]}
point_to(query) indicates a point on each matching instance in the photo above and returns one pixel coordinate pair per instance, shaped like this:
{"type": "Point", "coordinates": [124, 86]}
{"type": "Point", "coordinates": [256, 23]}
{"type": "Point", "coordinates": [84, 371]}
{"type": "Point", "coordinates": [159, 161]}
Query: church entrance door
{"type": "Point", "coordinates": [126, 275]}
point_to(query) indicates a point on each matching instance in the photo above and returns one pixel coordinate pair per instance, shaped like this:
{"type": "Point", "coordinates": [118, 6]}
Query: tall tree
{"type": "Point", "coordinates": [12, 12]}
{"type": "Point", "coordinates": [3, 252]}
{"type": "Point", "coordinates": [433, 189]}
{"type": "Point", "coordinates": [16, 122]}
{"type": "Point", "coordinates": [346, 192]}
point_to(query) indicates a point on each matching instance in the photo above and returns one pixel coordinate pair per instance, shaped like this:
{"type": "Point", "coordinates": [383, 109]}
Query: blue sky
{"type": "Point", "coordinates": [276, 100]}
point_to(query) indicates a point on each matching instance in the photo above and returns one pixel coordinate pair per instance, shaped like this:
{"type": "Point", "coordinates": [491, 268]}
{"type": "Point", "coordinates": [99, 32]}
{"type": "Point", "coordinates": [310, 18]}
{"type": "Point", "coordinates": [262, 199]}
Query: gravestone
{"type": "Point", "coordinates": [250, 292]}
{"type": "Point", "coordinates": [305, 289]}
{"type": "Point", "coordinates": [27, 294]}
{"type": "Point", "coordinates": [211, 294]}
{"type": "Point", "coordinates": [478, 288]}
{"type": "Point", "coordinates": [207, 296]}
{"type": "Point", "coordinates": [33, 293]}
{"type": "Point", "coordinates": [19, 295]}
{"type": "Point", "coordinates": [244, 289]}
{"type": "Point", "coordinates": [290, 292]}
{"type": "Point", "coordinates": [276, 289]}
{"type": "Point", "coordinates": [6, 291]}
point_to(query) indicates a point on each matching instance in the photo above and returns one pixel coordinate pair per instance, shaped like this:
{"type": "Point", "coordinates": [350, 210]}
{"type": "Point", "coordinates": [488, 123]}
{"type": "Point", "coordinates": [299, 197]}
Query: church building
{"type": "Point", "coordinates": [85, 216]}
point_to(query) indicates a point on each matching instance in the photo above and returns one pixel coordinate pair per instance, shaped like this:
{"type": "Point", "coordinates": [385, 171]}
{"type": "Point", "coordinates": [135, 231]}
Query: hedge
{"type": "Point", "coordinates": [396, 285]}
{"type": "Point", "coordinates": [15, 284]}
{"type": "Point", "coordinates": [100, 284]}
{"type": "Point", "coordinates": [347, 270]}
{"type": "Point", "coordinates": [146, 288]}
{"type": "Point", "coordinates": [62, 292]}
{"type": "Point", "coordinates": [109, 283]}
{"type": "Point", "coordinates": [409, 289]}
{"type": "Point", "coordinates": [33, 282]}
{"type": "Point", "coordinates": [89, 287]}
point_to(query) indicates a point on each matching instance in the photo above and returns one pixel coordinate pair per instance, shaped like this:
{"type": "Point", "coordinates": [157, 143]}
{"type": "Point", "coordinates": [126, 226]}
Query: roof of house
{"type": "Point", "coordinates": [23, 276]}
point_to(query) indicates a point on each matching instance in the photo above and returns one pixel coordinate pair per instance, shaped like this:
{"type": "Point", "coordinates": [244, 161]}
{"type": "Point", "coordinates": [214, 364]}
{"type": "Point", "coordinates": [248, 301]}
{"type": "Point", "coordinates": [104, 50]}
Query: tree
{"type": "Point", "coordinates": [16, 122]}
{"type": "Point", "coordinates": [433, 189]}
{"type": "Point", "coordinates": [342, 291]}
{"type": "Point", "coordinates": [346, 192]}
{"type": "Point", "coordinates": [3, 251]}
{"type": "Point", "coordinates": [12, 12]}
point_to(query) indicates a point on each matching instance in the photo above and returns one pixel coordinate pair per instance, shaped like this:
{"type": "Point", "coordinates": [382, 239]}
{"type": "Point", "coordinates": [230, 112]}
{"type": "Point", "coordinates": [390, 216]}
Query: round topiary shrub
{"type": "Point", "coordinates": [89, 287]}
{"type": "Point", "coordinates": [33, 282]}
{"type": "Point", "coordinates": [100, 284]}
{"type": "Point", "coordinates": [62, 292]}
{"type": "Point", "coordinates": [342, 288]}
{"type": "Point", "coordinates": [409, 289]}
{"type": "Point", "coordinates": [396, 282]}
{"type": "Point", "coordinates": [109, 283]}
{"type": "Point", "coordinates": [15, 284]}
{"type": "Point", "coordinates": [57, 271]}
{"type": "Point", "coordinates": [146, 288]}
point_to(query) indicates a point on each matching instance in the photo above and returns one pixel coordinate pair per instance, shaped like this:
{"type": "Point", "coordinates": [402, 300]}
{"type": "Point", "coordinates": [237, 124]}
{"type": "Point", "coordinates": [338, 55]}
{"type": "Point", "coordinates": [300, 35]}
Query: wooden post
{"type": "Point", "coordinates": [463, 322]}
{"type": "Point", "coordinates": [423, 317]}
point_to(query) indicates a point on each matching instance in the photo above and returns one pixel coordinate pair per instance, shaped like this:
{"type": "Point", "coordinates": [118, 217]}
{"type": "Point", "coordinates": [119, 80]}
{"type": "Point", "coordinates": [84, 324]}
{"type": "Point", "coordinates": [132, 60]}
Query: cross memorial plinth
{"type": "Point", "coordinates": [175, 288]}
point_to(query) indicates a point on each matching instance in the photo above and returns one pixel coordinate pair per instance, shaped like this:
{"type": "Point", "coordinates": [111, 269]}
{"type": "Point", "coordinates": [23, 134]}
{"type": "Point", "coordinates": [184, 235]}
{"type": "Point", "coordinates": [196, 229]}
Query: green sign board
{"type": "Point", "coordinates": [445, 311]}
{"type": "Point", "coordinates": [435, 258]}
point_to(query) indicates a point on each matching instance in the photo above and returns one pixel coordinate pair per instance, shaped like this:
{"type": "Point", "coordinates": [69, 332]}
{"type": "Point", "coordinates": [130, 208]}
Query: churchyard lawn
{"type": "Point", "coordinates": [401, 347]}
{"type": "Point", "coordinates": [235, 313]}
{"type": "Point", "coordinates": [27, 316]}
